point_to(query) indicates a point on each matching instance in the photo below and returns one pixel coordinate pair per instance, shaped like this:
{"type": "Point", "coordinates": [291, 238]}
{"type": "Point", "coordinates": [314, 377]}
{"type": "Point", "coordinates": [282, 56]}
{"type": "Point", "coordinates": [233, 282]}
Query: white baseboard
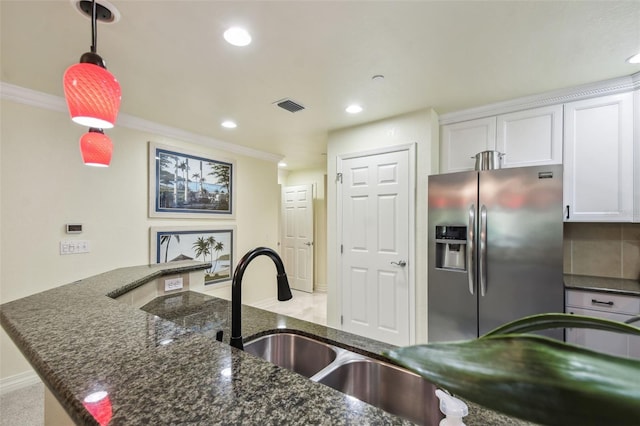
{"type": "Point", "coordinates": [320, 287]}
{"type": "Point", "coordinates": [18, 381]}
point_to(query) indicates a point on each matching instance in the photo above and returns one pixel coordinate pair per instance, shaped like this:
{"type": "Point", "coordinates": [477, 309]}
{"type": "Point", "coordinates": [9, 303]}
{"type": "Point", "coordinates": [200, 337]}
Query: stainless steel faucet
{"type": "Point", "coordinates": [284, 292]}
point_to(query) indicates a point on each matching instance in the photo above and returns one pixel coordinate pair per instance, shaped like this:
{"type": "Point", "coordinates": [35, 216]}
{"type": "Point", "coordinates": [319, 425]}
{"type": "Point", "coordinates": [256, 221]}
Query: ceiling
{"type": "Point", "coordinates": [176, 69]}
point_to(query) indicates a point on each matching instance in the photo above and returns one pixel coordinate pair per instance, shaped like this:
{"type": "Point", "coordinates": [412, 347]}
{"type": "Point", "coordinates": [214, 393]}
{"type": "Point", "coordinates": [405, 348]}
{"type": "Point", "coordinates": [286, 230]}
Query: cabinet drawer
{"type": "Point", "coordinates": [605, 302]}
{"type": "Point", "coordinates": [608, 342]}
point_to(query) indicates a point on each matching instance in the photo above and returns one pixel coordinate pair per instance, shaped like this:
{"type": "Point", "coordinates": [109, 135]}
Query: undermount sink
{"type": "Point", "coordinates": [294, 352]}
{"type": "Point", "coordinates": [383, 385]}
{"type": "Point", "coordinates": [388, 387]}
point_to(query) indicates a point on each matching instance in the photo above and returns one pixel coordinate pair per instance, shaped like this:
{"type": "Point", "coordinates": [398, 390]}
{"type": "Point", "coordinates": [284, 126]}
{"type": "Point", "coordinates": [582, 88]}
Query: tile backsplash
{"type": "Point", "coordinates": [602, 249]}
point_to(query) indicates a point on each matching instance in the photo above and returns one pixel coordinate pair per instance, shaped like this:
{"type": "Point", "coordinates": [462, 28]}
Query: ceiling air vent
{"type": "Point", "coordinates": [289, 105]}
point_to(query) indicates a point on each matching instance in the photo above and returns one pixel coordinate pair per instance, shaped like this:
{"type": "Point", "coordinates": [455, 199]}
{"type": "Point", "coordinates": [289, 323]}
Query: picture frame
{"type": "Point", "coordinates": [213, 244]}
{"type": "Point", "coordinates": [184, 184]}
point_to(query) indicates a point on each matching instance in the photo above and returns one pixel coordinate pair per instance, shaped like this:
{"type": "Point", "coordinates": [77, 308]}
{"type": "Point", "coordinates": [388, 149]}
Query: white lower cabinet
{"type": "Point", "coordinates": [609, 306]}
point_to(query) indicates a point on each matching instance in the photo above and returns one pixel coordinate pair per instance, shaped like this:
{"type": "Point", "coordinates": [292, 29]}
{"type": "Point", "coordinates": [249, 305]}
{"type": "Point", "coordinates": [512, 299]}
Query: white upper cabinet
{"type": "Point", "coordinates": [526, 138]}
{"type": "Point", "coordinates": [462, 141]}
{"type": "Point", "coordinates": [598, 159]}
{"type": "Point", "coordinates": [531, 138]}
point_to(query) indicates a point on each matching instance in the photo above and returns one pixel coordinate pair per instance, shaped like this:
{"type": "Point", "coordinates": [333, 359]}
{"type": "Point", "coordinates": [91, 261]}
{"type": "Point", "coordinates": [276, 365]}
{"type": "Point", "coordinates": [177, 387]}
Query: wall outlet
{"type": "Point", "coordinates": [74, 247]}
{"type": "Point", "coordinates": [173, 284]}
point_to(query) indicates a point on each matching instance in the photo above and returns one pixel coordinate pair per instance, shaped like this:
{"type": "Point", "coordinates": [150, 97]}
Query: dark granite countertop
{"type": "Point", "coordinates": [80, 341]}
{"type": "Point", "coordinates": [602, 284]}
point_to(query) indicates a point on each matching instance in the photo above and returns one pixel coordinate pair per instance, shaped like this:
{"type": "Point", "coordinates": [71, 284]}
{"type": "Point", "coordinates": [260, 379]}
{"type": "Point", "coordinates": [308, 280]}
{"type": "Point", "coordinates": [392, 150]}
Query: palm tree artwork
{"type": "Point", "coordinates": [213, 180]}
{"type": "Point", "coordinates": [184, 166]}
{"type": "Point", "coordinates": [175, 180]}
{"type": "Point", "coordinates": [206, 247]}
{"type": "Point", "coordinates": [211, 241]}
{"type": "Point", "coordinates": [218, 247]}
{"type": "Point", "coordinates": [201, 248]}
{"type": "Point", "coordinates": [212, 246]}
{"type": "Point", "coordinates": [196, 177]}
{"type": "Point", "coordinates": [166, 239]}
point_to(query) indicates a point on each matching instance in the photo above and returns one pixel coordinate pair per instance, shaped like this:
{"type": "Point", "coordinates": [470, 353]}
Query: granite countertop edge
{"type": "Point", "coordinates": [80, 340]}
{"type": "Point", "coordinates": [619, 286]}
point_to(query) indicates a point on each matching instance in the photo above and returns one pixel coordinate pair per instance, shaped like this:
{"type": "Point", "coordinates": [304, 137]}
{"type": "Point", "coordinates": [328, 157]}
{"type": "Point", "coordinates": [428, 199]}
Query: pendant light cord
{"type": "Point", "coordinates": [94, 32]}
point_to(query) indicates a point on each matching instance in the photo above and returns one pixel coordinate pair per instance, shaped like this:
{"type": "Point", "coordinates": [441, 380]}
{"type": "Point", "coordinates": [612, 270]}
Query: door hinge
{"type": "Point", "coordinates": [341, 320]}
{"type": "Point", "coordinates": [341, 249]}
{"type": "Point", "coordinates": [339, 177]}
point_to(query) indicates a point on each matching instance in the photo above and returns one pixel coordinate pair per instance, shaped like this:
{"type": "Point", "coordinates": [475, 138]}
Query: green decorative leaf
{"type": "Point", "coordinates": [533, 378]}
{"type": "Point", "coordinates": [547, 321]}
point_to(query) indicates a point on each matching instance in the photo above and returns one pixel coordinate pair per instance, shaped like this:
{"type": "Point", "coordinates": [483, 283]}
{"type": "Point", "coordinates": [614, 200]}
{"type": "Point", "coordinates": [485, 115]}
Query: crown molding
{"type": "Point", "coordinates": [42, 100]}
{"type": "Point", "coordinates": [585, 91]}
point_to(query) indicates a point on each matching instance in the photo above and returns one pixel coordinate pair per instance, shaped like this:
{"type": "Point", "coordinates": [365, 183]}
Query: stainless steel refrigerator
{"type": "Point", "coordinates": [495, 249]}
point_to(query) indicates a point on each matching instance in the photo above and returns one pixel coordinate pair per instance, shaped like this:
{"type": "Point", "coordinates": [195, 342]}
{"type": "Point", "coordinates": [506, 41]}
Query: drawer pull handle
{"type": "Point", "coordinates": [598, 302]}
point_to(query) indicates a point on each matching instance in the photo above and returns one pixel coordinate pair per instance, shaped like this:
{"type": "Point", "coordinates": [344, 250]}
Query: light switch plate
{"type": "Point", "coordinates": [74, 247]}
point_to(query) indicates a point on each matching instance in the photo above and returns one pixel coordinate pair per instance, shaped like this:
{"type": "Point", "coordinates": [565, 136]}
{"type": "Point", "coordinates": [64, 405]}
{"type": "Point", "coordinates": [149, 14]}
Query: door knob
{"type": "Point", "coordinates": [308, 243]}
{"type": "Point", "coordinates": [401, 263]}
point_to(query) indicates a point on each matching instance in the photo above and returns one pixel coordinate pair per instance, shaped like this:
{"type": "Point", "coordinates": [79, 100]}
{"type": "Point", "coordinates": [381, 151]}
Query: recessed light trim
{"type": "Point", "coordinates": [237, 36]}
{"type": "Point", "coordinates": [353, 109]}
{"type": "Point", "coordinates": [228, 124]}
{"type": "Point", "coordinates": [635, 59]}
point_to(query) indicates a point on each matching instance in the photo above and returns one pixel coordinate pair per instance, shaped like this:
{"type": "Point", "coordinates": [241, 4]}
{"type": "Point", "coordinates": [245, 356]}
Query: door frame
{"type": "Point", "coordinates": [411, 149]}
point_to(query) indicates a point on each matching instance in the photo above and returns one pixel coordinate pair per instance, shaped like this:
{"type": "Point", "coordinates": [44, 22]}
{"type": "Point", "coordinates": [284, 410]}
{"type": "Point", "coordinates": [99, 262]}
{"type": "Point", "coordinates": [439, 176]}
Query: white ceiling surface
{"type": "Point", "coordinates": [175, 68]}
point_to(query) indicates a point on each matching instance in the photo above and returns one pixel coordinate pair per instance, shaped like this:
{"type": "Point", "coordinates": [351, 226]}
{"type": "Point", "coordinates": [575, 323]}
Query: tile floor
{"type": "Point", "coordinates": [25, 406]}
{"type": "Point", "coordinates": [310, 307]}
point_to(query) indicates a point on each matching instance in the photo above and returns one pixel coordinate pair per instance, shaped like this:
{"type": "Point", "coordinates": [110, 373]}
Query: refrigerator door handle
{"type": "Point", "coordinates": [471, 247]}
{"type": "Point", "coordinates": [483, 250]}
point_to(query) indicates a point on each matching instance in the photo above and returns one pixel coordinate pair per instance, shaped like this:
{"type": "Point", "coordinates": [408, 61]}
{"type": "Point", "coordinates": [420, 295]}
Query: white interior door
{"type": "Point", "coordinates": [375, 246]}
{"type": "Point", "coordinates": [297, 238]}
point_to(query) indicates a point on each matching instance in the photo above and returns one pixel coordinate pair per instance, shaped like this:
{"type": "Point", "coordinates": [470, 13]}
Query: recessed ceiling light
{"type": "Point", "coordinates": [377, 77]}
{"type": "Point", "coordinates": [237, 36]}
{"type": "Point", "coordinates": [229, 124]}
{"type": "Point", "coordinates": [282, 164]}
{"type": "Point", "coordinates": [635, 59]}
{"type": "Point", "coordinates": [354, 109]}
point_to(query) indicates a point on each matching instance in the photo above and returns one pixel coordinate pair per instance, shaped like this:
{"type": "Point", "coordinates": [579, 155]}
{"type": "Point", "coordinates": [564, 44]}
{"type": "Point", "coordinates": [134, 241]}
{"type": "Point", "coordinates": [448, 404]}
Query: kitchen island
{"type": "Point", "coordinates": [84, 339]}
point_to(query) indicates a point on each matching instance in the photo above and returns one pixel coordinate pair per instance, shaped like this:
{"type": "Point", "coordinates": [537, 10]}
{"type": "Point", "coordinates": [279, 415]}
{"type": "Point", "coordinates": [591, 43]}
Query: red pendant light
{"type": "Point", "coordinates": [96, 148]}
{"type": "Point", "coordinates": [99, 405]}
{"type": "Point", "coordinates": [92, 93]}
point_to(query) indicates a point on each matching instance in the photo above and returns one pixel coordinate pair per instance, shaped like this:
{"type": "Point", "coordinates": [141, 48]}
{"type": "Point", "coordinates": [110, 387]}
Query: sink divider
{"type": "Point", "coordinates": [343, 356]}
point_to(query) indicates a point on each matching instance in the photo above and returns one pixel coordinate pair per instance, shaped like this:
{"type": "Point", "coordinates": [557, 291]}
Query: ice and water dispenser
{"type": "Point", "coordinates": [451, 247]}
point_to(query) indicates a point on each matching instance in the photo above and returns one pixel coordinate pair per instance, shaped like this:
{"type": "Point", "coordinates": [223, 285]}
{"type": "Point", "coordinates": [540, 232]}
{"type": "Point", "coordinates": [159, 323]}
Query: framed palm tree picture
{"type": "Point", "coordinates": [187, 184]}
{"type": "Point", "coordinates": [206, 244]}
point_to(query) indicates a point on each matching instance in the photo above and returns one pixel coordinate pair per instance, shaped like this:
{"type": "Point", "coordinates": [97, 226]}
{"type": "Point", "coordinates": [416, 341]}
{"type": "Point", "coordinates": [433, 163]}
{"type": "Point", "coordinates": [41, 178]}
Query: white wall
{"type": "Point", "coordinates": [45, 185]}
{"type": "Point", "coordinates": [420, 127]}
{"type": "Point", "coordinates": [317, 177]}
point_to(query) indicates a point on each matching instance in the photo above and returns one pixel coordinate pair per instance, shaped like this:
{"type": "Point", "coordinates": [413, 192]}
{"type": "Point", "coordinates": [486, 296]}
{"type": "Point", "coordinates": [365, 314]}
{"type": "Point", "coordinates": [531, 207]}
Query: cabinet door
{"type": "Point", "coordinates": [603, 341]}
{"type": "Point", "coordinates": [462, 141]}
{"type": "Point", "coordinates": [598, 159]}
{"type": "Point", "coordinates": [531, 138]}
